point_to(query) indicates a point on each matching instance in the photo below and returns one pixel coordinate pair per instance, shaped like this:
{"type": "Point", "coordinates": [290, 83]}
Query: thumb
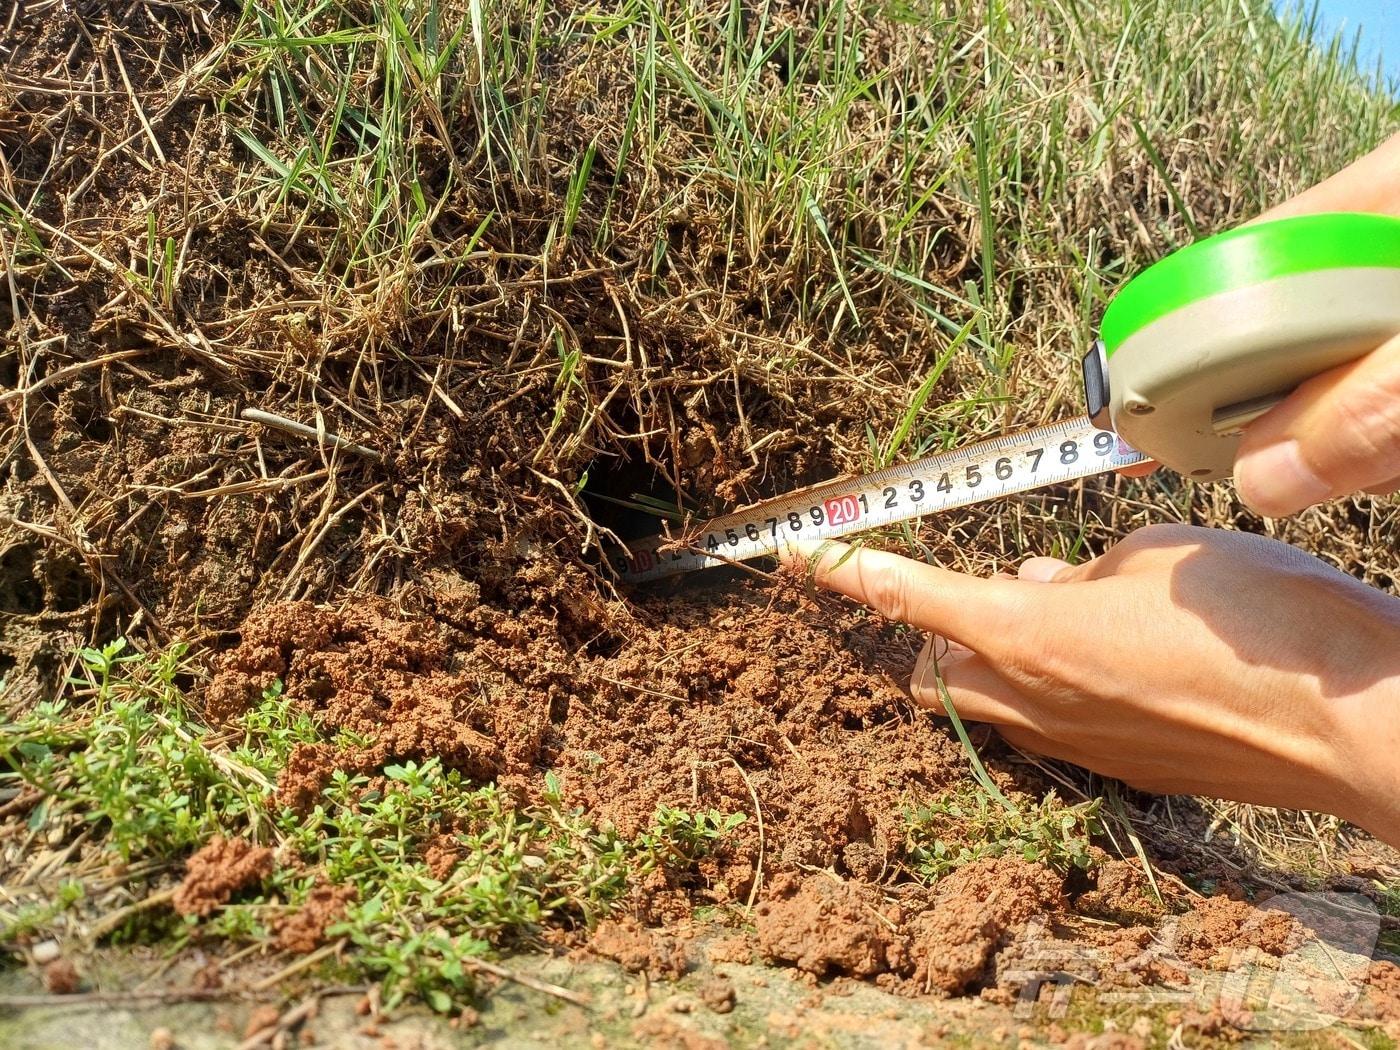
{"type": "Point", "coordinates": [1337, 433]}
{"type": "Point", "coordinates": [972, 611]}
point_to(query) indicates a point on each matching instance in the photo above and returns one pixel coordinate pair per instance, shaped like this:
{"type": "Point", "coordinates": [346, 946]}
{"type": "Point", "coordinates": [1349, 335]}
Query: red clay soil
{"type": "Point", "coordinates": [636, 948]}
{"type": "Point", "coordinates": [1121, 894]}
{"type": "Point", "coordinates": [305, 929]}
{"type": "Point", "coordinates": [217, 871]}
{"type": "Point", "coordinates": [721, 698]}
{"type": "Point", "coordinates": [1218, 926]}
{"type": "Point", "coordinates": [738, 696]}
{"type": "Point", "coordinates": [61, 977]}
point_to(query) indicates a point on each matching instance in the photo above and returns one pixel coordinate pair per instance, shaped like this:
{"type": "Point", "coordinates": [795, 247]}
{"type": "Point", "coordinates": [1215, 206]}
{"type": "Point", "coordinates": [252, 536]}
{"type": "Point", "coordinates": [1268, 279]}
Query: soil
{"type": "Point", "coordinates": [217, 871]}
{"type": "Point", "coordinates": [639, 950]}
{"type": "Point", "coordinates": [1218, 926]}
{"type": "Point", "coordinates": [718, 994]}
{"type": "Point", "coordinates": [739, 694]}
{"type": "Point", "coordinates": [305, 929]}
{"type": "Point", "coordinates": [1121, 893]}
{"type": "Point", "coordinates": [61, 977]}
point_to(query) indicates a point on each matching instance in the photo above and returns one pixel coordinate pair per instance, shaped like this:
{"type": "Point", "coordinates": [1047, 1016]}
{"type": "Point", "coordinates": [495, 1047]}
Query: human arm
{"type": "Point", "coordinates": [1184, 660]}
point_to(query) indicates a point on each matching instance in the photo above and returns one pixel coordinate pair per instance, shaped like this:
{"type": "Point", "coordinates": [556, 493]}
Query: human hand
{"type": "Point", "coordinates": [1184, 660]}
{"type": "Point", "coordinates": [1336, 434]}
{"type": "Point", "coordinates": [1339, 432]}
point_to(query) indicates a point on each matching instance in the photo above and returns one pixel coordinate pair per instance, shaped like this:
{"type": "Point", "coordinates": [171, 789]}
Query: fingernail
{"type": "Point", "coordinates": [1275, 480]}
{"type": "Point", "coordinates": [1041, 570]}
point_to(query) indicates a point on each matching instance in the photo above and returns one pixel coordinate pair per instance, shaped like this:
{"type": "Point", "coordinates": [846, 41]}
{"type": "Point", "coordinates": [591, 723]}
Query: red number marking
{"type": "Point", "coordinates": [842, 510]}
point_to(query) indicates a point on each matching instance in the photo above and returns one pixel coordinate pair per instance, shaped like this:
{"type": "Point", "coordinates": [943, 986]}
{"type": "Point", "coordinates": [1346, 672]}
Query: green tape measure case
{"type": "Point", "coordinates": [1213, 335]}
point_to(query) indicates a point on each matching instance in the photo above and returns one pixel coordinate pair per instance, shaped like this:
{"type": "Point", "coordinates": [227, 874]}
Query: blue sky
{"type": "Point", "coordinates": [1379, 21]}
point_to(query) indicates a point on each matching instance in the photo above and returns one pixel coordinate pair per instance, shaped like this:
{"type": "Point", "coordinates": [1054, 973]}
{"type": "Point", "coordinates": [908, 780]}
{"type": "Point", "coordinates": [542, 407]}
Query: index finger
{"type": "Point", "coordinates": [976, 612]}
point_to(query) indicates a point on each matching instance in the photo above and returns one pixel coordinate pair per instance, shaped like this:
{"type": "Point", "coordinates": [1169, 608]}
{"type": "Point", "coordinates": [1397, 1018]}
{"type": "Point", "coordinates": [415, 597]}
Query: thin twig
{"type": "Point", "coordinates": [300, 964]}
{"type": "Point", "coordinates": [22, 1002]}
{"type": "Point", "coordinates": [525, 980]}
{"type": "Point", "coordinates": [113, 919]}
{"type": "Point", "coordinates": [291, 426]}
{"type": "Point", "coordinates": [758, 814]}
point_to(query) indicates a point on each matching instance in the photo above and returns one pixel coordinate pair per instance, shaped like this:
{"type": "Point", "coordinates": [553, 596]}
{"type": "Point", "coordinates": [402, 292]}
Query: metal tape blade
{"type": "Point", "coordinates": [1048, 455]}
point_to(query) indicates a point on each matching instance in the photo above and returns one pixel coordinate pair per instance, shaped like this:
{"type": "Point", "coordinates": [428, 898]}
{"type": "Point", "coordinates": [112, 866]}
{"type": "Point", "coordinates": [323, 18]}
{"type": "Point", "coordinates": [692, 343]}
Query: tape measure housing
{"type": "Point", "coordinates": [1213, 335]}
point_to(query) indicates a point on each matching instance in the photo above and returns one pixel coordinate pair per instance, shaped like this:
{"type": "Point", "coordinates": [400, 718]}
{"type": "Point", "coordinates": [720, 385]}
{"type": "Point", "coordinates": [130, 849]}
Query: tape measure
{"type": "Point", "coordinates": [1191, 351]}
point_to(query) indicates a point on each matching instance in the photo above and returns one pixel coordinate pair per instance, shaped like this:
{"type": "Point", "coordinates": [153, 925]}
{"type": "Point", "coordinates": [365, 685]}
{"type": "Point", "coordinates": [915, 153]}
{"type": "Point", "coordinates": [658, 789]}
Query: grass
{"type": "Point", "coordinates": [121, 763]}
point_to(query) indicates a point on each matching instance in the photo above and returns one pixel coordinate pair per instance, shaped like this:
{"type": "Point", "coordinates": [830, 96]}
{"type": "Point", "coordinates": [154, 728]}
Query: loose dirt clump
{"type": "Point", "coordinates": [717, 699]}
{"type": "Point", "coordinates": [637, 949]}
{"type": "Point", "coordinates": [1121, 894]}
{"type": "Point", "coordinates": [61, 977]}
{"type": "Point", "coordinates": [1383, 993]}
{"type": "Point", "coordinates": [718, 994]}
{"type": "Point", "coordinates": [217, 871]}
{"type": "Point", "coordinates": [825, 927]}
{"type": "Point", "coordinates": [975, 911]}
{"type": "Point", "coordinates": [1218, 926]}
{"type": "Point", "coordinates": [305, 929]}
{"type": "Point", "coordinates": [363, 670]}
{"type": "Point", "coordinates": [930, 940]}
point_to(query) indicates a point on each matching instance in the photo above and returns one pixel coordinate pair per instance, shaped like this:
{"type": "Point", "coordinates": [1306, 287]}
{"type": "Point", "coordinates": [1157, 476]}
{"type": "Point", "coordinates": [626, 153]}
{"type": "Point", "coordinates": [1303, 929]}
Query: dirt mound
{"type": "Point", "coordinates": [217, 871]}
{"type": "Point", "coordinates": [826, 927]}
{"type": "Point", "coordinates": [736, 699]}
{"type": "Point", "coordinates": [1218, 926]}
{"type": "Point", "coordinates": [918, 940]}
{"type": "Point", "coordinates": [305, 929]}
{"type": "Point", "coordinates": [638, 949]}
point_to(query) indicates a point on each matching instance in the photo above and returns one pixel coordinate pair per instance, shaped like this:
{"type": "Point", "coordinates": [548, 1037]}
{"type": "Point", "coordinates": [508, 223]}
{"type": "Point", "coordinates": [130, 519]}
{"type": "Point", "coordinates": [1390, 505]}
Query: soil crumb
{"type": "Point", "coordinates": [718, 994]}
{"type": "Point", "coordinates": [637, 949]}
{"type": "Point", "coordinates": [61, 977]}
{"type": "Point", "coordinates": [825, 927]}
{"type": "Point", "coordinates": [305, 929]}
{"type": "Point", "coordinates": [217, 871]}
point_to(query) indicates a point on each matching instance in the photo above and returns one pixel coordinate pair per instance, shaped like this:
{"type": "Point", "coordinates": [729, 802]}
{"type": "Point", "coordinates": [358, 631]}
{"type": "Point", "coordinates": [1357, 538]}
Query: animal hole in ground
{"type": "Point", "coordinates": [68, 582]}
{"type": "Point", "coordinates": [98, 428]}
{"type": "Point", "coordinates": [21, 591]}
{"type": "Point", "coordinates": [619, 495]}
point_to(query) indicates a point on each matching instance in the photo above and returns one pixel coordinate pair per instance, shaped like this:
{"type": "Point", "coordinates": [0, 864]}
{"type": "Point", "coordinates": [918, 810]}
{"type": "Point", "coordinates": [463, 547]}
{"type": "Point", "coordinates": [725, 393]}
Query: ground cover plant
{"type": "Point", "coordinates": [343, 341]}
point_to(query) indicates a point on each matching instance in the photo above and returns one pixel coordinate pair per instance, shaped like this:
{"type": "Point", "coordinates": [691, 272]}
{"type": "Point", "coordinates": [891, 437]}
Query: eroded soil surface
{"type": "Point", "coordinates": [744, 697]}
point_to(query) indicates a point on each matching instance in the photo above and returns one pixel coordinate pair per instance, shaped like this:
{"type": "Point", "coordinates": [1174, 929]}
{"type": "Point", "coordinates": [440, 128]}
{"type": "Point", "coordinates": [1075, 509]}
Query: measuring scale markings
{"type": "Point", "coordinates": [1058, 452]}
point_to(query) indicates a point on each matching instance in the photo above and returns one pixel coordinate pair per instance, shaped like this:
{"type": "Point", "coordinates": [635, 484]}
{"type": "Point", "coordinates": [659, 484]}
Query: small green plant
{"type": "Point", "coordinates": [134, 772]}
{"type": "Point", "coordinates": [679, 838]}
{"type": "Point", "coordinates": [966, 825]}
